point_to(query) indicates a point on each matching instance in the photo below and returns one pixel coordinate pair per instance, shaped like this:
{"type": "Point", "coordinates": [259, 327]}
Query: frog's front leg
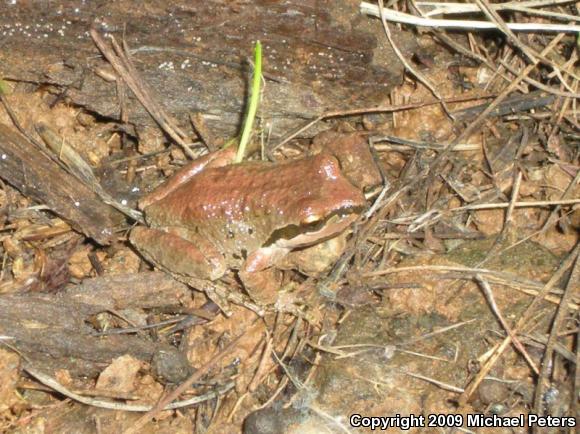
{"type": "Point", "coordinates": [266, 289]}
{"type": "Point", "coordinates": [262, 286]}
{"type": "Point", "coordinates": [190, 256]}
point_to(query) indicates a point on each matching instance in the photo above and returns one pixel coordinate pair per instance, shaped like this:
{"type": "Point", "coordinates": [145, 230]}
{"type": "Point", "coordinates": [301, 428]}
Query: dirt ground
{"type": "Point", "coordinates": [450, 300]}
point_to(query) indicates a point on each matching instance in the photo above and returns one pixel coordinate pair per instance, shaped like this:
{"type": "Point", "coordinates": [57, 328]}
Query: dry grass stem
{"type": "Point", "coordinates": [119, 60]}
{"type": "Point", "coordinates": [111, 405]}
{"type": "Point", "coordinates": [486, 288]}
{"type": "Point", "coordinates": [414, 71]}
{"type": "Point", "coordinates": [442, 385]}
{"type": "Point", "coordinates": [566, 264]}
{"type": "Point", "coordinates": [430, 9]}
{"type": "Point", "coordinates": [547, 362]}
{"type": "Point", "coordinates": [403, 18]}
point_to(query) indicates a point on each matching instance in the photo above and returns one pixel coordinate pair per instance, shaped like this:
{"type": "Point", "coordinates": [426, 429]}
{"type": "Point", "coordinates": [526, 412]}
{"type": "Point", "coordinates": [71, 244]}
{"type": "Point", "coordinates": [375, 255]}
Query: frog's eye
{"type": "Point", "coordinates": [311, 220]}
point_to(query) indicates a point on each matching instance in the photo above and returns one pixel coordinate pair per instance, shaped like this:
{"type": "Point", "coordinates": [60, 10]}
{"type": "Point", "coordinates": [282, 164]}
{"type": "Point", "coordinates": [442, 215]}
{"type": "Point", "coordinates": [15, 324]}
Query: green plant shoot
{"type": "Point", "coordinates": [3, 87]}
{"type": "Point", "coordinates": [253, 105]}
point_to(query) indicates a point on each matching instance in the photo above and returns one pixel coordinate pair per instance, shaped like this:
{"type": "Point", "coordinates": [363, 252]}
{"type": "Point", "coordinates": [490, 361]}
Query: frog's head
{"type": "Point", "coordinates": [321, 204]}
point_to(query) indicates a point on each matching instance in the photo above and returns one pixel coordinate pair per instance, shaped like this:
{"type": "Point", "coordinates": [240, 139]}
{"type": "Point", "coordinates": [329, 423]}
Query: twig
{"type": "Point", "coordinates": [79, 168]}
{"type": "Point", "coordinates": [284, 380]}
{"type": "Point", "coordinates": [510, 209]}
{"type": "Point", "coordinates": [476, 124]}
{"type": "Point", "coordinates": [399, 145]}
{"type": "Point", "coordinates": [530, 236]}
{"type": "Point", "coordinates": [400, 17]}
{"type": "Point", "coordinates": [502, 25]}
{"type": "Point", "coordinates": [486, 288]}
{"type": "Point", "coordinates": [551, 218]}
{"type": "Point", "coordinates": [539, 85]}
{"type": "Point", "coordinates": [341, 113]}
{"type": "Point", "coordinates": [123, 66]}
{"type": "Point", "coordinates": [334, 420]}
{"type": "Point", "coordinates": [416, 73]}
{"type": "Point", "coordinates": [542, 13]}
{"type": "Point", "coordinates": [540, 340]}
{"type": "Point", "coordinates": [417, 222]}
{"type": "Point", "coordinates": [547, 361]}
{"type": "Point", "coordinates": [200, 128]}
{"type": "Point", "coordinates": [450, 42]}
{"type": "Point", "coordinates": [291, 376]}
{"type": "Point", "coordinates": [526, 204]}
{"type": "Point", "coordinates": [463, 8]}
{"type": "Point", "coordinates": [366, 110]}
{"type": "Point", "coordinates": [337, 350]}
{"type": "Point", "coordinates": [55, 385]}
{"type": "Point", "coordinates": [281, 386]}
{"type": "Point", "coordinates": [26, 134]}
{"type": "Point", "coordinates": [511, 105]}
{"type": "Point", "coordinates": [557, 119]}
{"type": "Point", "coordinates": [499, 277]}
{"type": "Point", "coordinates": [503, 95]}
{"type": "Point", "coordinates": [576, 382]}
{"type": "Point", "coordinates": [437, 383]}
{"type": "Point", "coordinates": [236, 406]}
{"type": "Point", "coordinates": [523, 319]}
{"type": "Point", "coordinates": [263, 364]}
{"type": "Point", "coordinates": [164, 402]}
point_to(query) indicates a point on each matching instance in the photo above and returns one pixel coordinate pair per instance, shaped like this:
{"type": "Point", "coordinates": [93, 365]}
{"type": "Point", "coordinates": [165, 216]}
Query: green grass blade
{"type": "Point", "coordinates": [4, 89]}
{"type": "Point", "coordinates": [253, 105]}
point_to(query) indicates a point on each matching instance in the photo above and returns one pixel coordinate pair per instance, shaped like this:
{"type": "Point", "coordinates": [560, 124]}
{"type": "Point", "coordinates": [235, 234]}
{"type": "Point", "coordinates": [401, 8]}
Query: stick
{"type": "Point", "coordinates": [547, 361]}
{"type": "Point", "coordinates": [400, 17]}
{"type": "Point", "coordinates": [55, 385]}
{"type": "Point", "coordinates": [164, 402]}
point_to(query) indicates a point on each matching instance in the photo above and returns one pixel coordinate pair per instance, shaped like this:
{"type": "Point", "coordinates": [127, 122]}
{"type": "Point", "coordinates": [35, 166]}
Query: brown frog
{"type": "Point", "coordinates": [213, 216]}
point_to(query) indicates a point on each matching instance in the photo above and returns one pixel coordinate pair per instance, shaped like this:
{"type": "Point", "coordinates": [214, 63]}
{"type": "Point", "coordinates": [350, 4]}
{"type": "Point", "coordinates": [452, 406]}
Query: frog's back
{"type": "Point", "coordinates": [244, 204]}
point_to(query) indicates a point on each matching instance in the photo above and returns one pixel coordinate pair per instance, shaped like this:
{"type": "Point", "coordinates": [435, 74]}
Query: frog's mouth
{"type": "Point", "coordinates": [318, 230]}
